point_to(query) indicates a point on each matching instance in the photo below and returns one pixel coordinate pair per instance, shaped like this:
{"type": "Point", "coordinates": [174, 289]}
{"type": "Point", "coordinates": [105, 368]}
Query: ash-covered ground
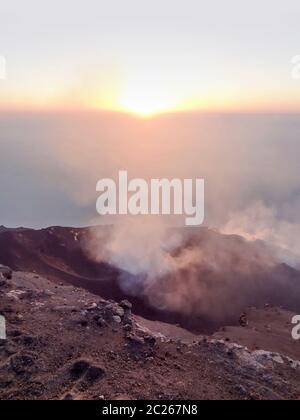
{"type": "Point", "coordinates": [72, 333]}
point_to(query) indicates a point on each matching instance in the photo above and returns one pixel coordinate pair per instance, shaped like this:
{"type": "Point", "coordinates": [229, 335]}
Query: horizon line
{"type": "Point", "coordinates": [146, 117]}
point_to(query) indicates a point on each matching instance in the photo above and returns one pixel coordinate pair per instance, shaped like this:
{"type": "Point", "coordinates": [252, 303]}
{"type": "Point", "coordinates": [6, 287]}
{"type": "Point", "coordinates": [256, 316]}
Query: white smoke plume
{"type": "Point", "coordinates": [260, 222]}
{"type": "Point", "coordinates": [194, 272]}
{"type": "Point", "coordinates": [139, 246]}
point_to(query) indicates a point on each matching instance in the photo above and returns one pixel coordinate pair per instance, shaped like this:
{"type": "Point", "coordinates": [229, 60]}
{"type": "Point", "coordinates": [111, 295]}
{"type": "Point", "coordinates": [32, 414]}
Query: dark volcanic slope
{"type": "Point", "coordinates": [65, 343]}
{"type": "Point", "coordinates": [58, 254]}
{"type": "Point", "coordinates": [235, 277]}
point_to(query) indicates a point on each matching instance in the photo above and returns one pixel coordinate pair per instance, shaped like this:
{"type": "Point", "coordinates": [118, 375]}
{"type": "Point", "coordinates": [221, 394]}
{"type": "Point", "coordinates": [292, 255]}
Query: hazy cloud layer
{"type": "Point", "coordinates": [50, 163]}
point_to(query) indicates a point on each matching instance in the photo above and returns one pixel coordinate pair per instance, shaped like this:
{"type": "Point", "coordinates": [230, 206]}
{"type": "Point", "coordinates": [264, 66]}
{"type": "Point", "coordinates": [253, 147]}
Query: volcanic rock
{"type": "Point", "coordinates": [126, 304]}
{"type": "Point", "coordinates": [5, 272]}
{"type": "Point", "coordinates": [117, 319]}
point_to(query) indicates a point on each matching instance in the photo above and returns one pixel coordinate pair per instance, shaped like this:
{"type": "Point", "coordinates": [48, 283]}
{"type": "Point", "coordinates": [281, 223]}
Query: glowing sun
{"type": "Point", "coordinates": [144, 100]}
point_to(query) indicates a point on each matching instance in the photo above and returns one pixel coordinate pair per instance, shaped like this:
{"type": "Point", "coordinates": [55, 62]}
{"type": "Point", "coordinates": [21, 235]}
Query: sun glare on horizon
{"type": "Point", "coordinates": [144, 104]}
{"type": "Point", "coordinates": [144, 107]}
{"type": "Point", "coordinates": [145, 98]}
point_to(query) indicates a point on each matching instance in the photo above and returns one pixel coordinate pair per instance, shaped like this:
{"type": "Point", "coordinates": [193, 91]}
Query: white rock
{"type": "Point", "coordinates": [117, 319]}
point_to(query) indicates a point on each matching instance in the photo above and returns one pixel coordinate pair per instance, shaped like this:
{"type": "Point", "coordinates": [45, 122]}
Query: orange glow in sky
{"type": "Point", "coordinates": [146, 58]}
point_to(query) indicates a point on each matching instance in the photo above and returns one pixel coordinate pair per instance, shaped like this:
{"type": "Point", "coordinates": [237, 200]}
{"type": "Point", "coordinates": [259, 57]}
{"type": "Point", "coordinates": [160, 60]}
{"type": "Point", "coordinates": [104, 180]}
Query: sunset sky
{"type": "Point", "coordinates": [149, 57]}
